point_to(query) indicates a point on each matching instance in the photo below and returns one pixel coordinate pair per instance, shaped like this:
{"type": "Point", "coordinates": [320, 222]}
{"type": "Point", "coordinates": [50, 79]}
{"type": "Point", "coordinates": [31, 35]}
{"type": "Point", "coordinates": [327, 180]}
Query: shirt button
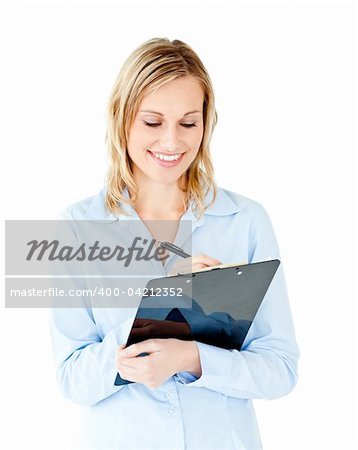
{"type": "Point", "coordinates": [171, 410]}
{"type": "Point", "coordinates": [168, 395]}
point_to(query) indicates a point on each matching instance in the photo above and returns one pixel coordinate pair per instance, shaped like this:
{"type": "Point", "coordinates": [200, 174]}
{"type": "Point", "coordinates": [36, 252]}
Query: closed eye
{"type": "Point", "coordinates": [155, 124]}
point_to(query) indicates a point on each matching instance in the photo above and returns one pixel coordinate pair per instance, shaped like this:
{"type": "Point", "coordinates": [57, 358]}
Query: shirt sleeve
{"type": "Point", "coordinates": [266, 366]}
{"type": "Point", "coordinates": [85, 360]}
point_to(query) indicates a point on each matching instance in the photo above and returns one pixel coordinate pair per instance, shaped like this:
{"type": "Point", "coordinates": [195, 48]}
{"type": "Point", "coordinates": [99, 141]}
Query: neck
{"type": "Point", "coordinates": [160, 200]}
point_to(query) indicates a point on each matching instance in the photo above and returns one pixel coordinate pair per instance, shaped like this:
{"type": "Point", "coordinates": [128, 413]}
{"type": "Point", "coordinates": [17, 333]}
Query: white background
{"type": "Point", "coordinates": [284, 77]}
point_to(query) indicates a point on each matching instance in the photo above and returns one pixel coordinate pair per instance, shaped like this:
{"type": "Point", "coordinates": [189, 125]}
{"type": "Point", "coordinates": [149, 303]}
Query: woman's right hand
{"type": "Point", "coordinates": [187, 265]}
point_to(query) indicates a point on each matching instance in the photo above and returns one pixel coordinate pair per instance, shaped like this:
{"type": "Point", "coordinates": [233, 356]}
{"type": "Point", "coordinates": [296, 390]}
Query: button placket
{"type": "Point", "coordinates": [172, 401]}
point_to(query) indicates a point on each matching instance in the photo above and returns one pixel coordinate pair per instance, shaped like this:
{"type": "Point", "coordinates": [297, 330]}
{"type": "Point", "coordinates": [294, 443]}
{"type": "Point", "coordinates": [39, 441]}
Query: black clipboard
{"type": "Point", "coordinates": [216, 306]}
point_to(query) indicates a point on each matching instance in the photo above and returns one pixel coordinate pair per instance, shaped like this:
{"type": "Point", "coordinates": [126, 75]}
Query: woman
{"type": "Point", "coordinates": [185, 394]}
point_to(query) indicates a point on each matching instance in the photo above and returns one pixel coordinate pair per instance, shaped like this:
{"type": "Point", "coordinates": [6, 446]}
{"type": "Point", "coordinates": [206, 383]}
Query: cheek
{"type": "Point", "coordinates": [193, 155]}
{"type": "Point", "coordinates": [139, 139]}
{"type": "Point", "coordinates": [194, 144]}
{"type": "Point", "coordinates": [195, 140]}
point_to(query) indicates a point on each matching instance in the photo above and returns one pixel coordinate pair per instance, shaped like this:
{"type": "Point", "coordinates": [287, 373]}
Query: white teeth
{"type": "Point", "coordinates": [167, 157]}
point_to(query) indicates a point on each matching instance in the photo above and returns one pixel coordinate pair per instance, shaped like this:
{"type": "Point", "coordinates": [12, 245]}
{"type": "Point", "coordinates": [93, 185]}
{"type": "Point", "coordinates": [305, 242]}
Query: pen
{"type": "Point", "coordinates": [173, 248]}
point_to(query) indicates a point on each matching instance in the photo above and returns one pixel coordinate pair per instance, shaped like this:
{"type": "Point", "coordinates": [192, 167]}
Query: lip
{"type": "Point", "coordinates": [163, 163]}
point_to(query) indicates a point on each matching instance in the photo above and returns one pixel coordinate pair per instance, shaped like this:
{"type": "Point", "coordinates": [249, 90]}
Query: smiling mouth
{"type": "Point", "coordinates": [166, 160]}
{"type": "Point", "coordinates": [165, 157]}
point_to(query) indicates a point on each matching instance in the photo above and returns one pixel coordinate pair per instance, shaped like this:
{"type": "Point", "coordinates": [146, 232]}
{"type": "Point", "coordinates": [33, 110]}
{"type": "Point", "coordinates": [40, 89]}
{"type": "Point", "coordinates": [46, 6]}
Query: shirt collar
{"type": "Point", "coordinates": [223, 205]}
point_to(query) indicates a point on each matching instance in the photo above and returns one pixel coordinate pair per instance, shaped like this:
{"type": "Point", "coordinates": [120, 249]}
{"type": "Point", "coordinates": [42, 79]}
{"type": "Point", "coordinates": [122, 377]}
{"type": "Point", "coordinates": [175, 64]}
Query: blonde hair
{"type": "Point", "coordinates": [150, 66]}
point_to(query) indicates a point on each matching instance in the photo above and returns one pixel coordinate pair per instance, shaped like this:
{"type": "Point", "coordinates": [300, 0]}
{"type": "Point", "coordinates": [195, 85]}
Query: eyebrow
{"type": "Point", "coordinates": [160, 114]}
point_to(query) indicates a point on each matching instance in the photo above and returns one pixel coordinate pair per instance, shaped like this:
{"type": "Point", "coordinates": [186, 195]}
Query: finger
{"type": "Point", "coordinates": [183, 263]}
{"type": "Point", "coordinates": [118, 354]}
{"type": "Point", "coordinates": [133, 364]}
{"type": "Point", "coordinates": [127, 374]}
{"type": "Point", "coordinates": [205, 259]}
{"type": "Point", "coordinates": [127, 364]}
{"type": "Point", "coordinates": [148, 346]}
{"type": "Point", "coordinates": [194, 262]}
{"type": "Point", "coordinates": [199, 266]}
{"type": "Point", "coordinates": [184, 267]}
{"type": "Point", "coordinates": [121, 361]}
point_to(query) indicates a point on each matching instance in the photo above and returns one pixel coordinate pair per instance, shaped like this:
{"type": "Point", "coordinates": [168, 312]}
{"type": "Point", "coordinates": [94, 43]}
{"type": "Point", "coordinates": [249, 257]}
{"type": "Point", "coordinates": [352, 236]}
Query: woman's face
{"type": "Point", "coordinates": [167, 131]}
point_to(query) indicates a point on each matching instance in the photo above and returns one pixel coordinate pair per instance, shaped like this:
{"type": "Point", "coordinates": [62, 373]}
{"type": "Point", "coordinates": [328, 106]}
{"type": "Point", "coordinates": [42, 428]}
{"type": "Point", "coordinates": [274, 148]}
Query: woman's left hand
{"type": "Point", "coordinates": [166, 358]}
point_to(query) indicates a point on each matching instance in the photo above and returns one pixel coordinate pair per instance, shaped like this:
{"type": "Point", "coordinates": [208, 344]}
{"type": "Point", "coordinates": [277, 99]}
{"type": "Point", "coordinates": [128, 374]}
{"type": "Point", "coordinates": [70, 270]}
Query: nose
{"type": "Point", "coordinates": [170, 140]}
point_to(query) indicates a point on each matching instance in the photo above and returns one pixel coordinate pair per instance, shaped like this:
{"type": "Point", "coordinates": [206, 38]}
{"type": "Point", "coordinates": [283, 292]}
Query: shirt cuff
{"type": "Point", "coordinates": [186, 377]}
{"type": "Point", "coordinates": [216, 366]}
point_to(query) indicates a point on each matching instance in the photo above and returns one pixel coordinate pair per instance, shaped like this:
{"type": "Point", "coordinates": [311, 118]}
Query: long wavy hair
{"type": "Point", "coordinates": [150, 66]}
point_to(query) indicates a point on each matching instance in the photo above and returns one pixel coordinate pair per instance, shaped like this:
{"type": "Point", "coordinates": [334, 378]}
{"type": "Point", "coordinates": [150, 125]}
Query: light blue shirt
{"type": "Point", "coordinates": [213, 411]}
